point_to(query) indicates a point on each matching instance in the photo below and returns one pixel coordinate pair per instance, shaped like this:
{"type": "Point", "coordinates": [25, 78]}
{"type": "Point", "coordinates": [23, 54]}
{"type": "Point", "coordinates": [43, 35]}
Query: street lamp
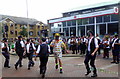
{"type": "Point", "coordinates": [119, 18]}
{"type": "Point", "coordinates": [27, 16]}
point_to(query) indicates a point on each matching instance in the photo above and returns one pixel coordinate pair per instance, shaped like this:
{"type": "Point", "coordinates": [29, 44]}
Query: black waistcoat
{"type": "Point", "coordinates": [43, 50]}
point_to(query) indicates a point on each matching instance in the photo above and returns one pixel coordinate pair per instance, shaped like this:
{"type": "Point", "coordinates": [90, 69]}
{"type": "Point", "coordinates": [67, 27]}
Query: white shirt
{"type": "Point", "coordinates": [95, 41]}
{"type": "Point", "coordinates": [115, 41]}
{"type": "Point", "coordinates": [38, 50]}
{"type": "Point", "coordinates": [69, 41]}
{"type": "Point", "coordinates": [3, 45]}
{"type": "Point", "coordinates": [108, 42]}
{"type": "Point", "coordinates": [22, 43]}
{"type": "Point", "coordinates": [28, 47]}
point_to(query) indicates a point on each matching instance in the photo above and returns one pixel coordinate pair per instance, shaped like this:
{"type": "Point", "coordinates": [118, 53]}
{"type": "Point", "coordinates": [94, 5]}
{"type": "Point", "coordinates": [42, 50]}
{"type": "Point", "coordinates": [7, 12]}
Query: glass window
{"type": "Point", "coordinates": [114, 17]}
{"type": "Point", "coordinates": [11, 32]}
{"type": "Point", "coordinates": [79, 22]}
{"type": "Point", "coordinates": [91, 27]}
{"type": "Point", "coordinates": [91, 20]}
{"type": "Point", "coordinates": [31, 26]}
{"type": "Point", "coordinates": [38, 33]}
{"type": "Point", "coordinates": [73, 22]}
{"type": "Point", "coordinates": [11, 25]}
{"type": "Point", "coordinates": [6, 28]}
{"type": "Point", "coordinates": [102, 29]}
{"type": "Point", "coordinates": [85, 21]}
{"type": "Point", "coordinates": [38, 27]}
{"type": "Point", "coordinates": [31, 33]}
{"type": "Point", "coordinates": [98, 19]}
{"type": "Point", "coordinates": [16, 33]}
{"type": "Point", "coordinates": [107, 18]}
{"type": "Point", "coordinates": [20, 26]}
{"type": "Point", "coordinates": [66, 31]}
{"type": "Point", "coordinates": [69, 23]}
{"type": "Point", "coordinates": [64, 24]}
{"type": "Point", "coordinates": [73, 31]}
{"type": "Point", "coordinates": [82, 30]}
{"type": "Point", "coordinates": [113, 28]}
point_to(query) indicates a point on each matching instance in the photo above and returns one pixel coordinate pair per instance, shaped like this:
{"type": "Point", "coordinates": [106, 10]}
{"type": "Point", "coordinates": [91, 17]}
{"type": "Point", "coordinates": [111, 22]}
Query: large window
{"type": "Point", "coordinates": [112, 28]}
{"type": "Point", "coordinates": [31, 33]}
{"type": "Point", "coordinates": [79, 22]}
{"type": "Point", "coordinates": [66, 31]}
{"type": "Point", "coordinates": [82, 30]}
{"type": "Point", "coordinates": [69, 23]}
{"type": "Point", "coordinates": [64, 24]}
{"type": "Point", "coordinates": [114, 17]}
{"type": "Point", "coordinates": [31, 26]}
{"type": "Point", "coordinates": [98, 19]}
{"type": "Point", "coordinates": [73, 31]}
{"type": "Point", "coordinates": [73, 22]}
{"type": "Point", "coordinates": [107, 18]}
{"type": "Point", "coordinates": [102, 29]}
{"type": "Point", "coordinates": [11, 32]}
{"type": "Point", "coordinates": [91, 27]}
{"type": "Point", "coordinates": [91, 20]}
{"type": "Point", "coordinates": [16, 33]}
{"type": "Point", "coordinates": [85, 21]}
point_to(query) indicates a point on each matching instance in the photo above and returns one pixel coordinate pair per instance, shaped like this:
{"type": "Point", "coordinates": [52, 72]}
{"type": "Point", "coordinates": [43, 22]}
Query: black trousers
{"type": "Point", "coordinates": [30, 56]}
{"type": "Point", "coordinates": [91, 59]}
{"type": "Point", "coordinates": [106, 53]}
{"type": "Point", "coordinates": [7, 58]}
{"type": "Point", "coordinates": [20, 55]}
{"type": "Point", "coordinates": [116, 55]}
{"type": "Point", "coordinates": [43, 63]}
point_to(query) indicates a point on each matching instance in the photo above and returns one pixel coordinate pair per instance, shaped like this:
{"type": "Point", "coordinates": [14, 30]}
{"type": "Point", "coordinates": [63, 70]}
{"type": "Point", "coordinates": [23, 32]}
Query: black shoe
{"type": "Point", "coordinates": [61, 71]}
{"type": "Point", "coordinates": [20, 65]}
{"type": "Point", "coordinates": [8, 67]}
{"type": "Point", "coordinates": [16, 67]}
{"type": "Point", "coordinates": [32, 65]}
{"type": "Point", "coordinates": [117, 62]}
{"type": "Point", "coordinates": [56, 66]}
{"type": "Point", "coordinates": [87, 73]}
{"type": "Point", "coordinates": [28, 68]}
{"type": "Point", "coordinates": [94, 75]}
{"type": "Point", "coordinates": [43, 75]}
{"type": "Point", "coordinates": [113, 62]}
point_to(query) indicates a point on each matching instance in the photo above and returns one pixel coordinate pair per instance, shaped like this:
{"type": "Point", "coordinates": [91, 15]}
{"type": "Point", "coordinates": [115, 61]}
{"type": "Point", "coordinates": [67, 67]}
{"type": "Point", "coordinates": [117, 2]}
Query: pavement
{"type": "Point", "coordinates": [73, 66]}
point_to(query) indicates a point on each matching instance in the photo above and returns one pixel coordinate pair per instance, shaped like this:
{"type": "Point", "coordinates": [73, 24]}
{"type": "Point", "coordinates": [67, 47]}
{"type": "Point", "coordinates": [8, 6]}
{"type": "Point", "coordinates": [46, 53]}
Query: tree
{"type": "Point", "coordinates": [24, 32]}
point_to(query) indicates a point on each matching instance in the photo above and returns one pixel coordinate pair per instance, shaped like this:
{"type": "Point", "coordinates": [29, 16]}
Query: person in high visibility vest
{"type": "Point", "coordinates": [57, 45]}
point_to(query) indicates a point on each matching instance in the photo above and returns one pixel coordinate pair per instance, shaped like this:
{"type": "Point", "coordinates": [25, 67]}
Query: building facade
{"type": "Point", "coordinates": [101, 18]}
{"type": "Point", "coordinates": [11, 27]}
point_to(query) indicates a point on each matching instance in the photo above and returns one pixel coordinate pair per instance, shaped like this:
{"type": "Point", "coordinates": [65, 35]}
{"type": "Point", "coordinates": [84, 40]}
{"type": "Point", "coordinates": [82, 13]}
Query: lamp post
{"type": "Point", "coordinates": [27, 17]}
{"type": "Point", "coordinates": [119, 18]}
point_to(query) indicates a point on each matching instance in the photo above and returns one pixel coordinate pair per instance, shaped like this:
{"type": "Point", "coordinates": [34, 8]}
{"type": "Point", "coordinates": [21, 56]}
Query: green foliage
{"type": "Point", "coordinates": [24, 32]}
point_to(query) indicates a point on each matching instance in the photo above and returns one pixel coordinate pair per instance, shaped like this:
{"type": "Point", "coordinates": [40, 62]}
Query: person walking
{"type": "Point", "coordinates": [106, 46]}
{"type": "Point", "coordinates": [30, 49]}
{"type": "Point", "coordinates": [5, 52]}
{"type": "Point", "coordinates": [57, 45]}
{"type": "Point", "coordinates": [91, 54]}
{"type": "Point", "coordinates": [43, 53]}
{"type": "Point", "coordinates": [116, 49]}
{"type": "Point", "coordinates": [19, 48]}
